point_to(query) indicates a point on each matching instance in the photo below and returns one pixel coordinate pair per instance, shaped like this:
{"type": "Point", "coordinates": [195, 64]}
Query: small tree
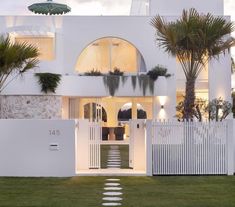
{"type": "Point", "coordinates": [218, 109]}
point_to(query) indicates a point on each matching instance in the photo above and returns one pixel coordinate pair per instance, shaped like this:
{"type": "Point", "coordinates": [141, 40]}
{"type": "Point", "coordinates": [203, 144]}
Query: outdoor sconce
{"type": "Point", "coordinates": [162, 101]}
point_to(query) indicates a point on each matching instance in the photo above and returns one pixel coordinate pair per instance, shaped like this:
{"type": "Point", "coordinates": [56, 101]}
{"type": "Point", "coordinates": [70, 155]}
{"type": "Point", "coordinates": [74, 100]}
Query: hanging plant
{"type": "Point", "coordinates": [133, 81]}
{"type": "Point", "coordinates": [48, 81]}
{"type": "Point", "coordinates": [111, 82]}
{"type": "Point", "coordinates": [146, 82]}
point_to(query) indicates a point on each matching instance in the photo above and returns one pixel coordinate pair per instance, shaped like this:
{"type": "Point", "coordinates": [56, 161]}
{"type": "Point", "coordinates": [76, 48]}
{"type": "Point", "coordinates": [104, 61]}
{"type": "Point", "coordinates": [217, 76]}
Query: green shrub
{"type": "Point", "coordinates": [158, 71]}
{"type": "Point", "coordinates": [116, 71]}
{"type": "Point", "coordinates": [93, 72]}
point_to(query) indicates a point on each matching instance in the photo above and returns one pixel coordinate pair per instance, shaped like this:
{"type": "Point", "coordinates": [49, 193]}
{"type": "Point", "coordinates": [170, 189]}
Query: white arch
{"type": "Point", "coordinates": [137, 57]}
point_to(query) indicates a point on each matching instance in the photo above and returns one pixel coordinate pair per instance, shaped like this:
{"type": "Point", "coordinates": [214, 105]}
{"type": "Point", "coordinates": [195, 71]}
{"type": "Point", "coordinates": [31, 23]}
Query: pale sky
{"type": "Point", "coordinates": [87, 7]}
{"type": "Point", "coordinates": [79, 7]}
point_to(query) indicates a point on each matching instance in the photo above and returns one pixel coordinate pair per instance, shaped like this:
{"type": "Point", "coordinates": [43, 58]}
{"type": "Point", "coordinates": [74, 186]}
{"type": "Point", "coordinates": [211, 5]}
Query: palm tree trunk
{"type": "Point", "coordinates": [189, 99]}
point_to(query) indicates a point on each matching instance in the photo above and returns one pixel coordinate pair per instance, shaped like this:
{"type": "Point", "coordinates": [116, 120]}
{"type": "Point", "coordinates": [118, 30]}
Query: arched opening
{"type": "Point", "coordinates": [108, 53]}
{"type": "Point", "coordinates": [94, 112]}
{"type": "Point", "coordinates": [125, 113]}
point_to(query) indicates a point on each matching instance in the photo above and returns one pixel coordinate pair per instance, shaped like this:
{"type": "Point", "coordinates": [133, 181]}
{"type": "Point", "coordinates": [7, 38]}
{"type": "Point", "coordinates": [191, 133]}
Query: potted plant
{"type": "Point", "coordinates": [48, 81]}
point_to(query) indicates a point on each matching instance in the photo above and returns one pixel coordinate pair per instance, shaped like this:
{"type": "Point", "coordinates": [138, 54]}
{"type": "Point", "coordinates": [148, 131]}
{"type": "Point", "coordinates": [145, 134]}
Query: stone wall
{"type": "Point", "coordinates": [31, 107]}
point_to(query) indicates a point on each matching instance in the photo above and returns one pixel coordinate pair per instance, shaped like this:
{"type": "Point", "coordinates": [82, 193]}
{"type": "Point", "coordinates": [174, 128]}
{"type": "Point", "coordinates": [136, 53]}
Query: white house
{"type": "Point", "coordinates": [73, 45]}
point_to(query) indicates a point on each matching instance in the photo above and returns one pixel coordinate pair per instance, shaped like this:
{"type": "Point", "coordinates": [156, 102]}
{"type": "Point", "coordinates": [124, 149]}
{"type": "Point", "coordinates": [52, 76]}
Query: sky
{"type": "Point", "coordinates": [79, 7]}
{"type": "Point", "coordinates": [88, 7]}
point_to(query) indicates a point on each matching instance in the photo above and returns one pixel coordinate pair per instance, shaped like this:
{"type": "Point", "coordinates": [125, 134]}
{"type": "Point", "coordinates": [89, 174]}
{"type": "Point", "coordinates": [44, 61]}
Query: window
{"type": "Point", "coordinates": [44, 44]}
{"type": "Point", "coordinates": [108, 53]}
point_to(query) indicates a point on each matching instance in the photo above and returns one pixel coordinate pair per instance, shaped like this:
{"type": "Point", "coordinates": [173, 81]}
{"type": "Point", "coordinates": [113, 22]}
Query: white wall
{"type": "Point", "coordinates": [75, 85]}
{"type": "Point", "coordinates": [220, 78]}
{"type": "Point", "coordinates": [74, 33]}
{"type": "Point", "coordinates": [25, 148]}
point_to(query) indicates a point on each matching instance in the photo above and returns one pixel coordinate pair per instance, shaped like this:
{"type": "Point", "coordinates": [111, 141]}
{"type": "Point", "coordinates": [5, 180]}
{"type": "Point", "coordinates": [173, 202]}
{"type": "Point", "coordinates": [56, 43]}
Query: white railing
{"type": "Point", "coordinates": [189, 148]}
{"type": "Point", "coordinates": [94, 145]}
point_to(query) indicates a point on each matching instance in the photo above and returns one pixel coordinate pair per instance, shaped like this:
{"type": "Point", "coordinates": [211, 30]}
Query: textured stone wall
{"type": "Point", "coordinates": [31, 107]}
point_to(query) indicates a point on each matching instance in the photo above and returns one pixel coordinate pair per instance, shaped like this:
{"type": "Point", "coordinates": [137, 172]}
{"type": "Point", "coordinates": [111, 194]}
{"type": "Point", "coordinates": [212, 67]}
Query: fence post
{"type": "Point", "coordinates": [230, 147]}
{"type": "Point", "coordinates": [149, 153]}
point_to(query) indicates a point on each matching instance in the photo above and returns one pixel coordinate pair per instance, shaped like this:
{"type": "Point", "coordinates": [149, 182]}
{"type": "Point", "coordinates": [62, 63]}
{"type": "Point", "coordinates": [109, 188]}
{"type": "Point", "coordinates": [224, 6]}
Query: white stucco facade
{"type": "Point", "coordinates": [72, 34]}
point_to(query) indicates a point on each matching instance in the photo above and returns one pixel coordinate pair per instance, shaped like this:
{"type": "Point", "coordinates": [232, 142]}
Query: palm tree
{"type": "Point", "coordinates": [194, 39]}
{"type": "Point", "coordinates": [15, 59]}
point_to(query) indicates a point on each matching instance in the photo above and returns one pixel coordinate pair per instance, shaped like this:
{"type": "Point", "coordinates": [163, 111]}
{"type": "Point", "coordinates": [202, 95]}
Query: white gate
{"type": "Point", "coordinates": [94, 140]}
{"type": "Point", "coordinates": [88, 138]}
{"type": "Point", "coordinates": [189, 148]}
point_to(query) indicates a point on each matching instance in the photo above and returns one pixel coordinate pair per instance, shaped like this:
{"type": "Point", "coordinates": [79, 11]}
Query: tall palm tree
{"type": "Point", "coordinates": [194, 39]}
{"type": "Point", "coordinates": [15, 59]}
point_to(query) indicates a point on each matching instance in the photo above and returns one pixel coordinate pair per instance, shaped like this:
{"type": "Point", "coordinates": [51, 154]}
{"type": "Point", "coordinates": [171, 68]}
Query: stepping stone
{"type": "Point", "coordinates": [113, 166]}
{"type": "Point", "coordinates": [112, 199]}
{"type": "Point", "coordinates": [114, 162]}
{"type": "Point", "coordinates": [113, 179]}
{"type": "Point", "coordinates": [112, 193]}
{"type": "Point", "coordinates": [111, 204]}
{"type": "Point", "coordinates": [112, 184]}
{"type": "Point", "coordinates": [113, 188]}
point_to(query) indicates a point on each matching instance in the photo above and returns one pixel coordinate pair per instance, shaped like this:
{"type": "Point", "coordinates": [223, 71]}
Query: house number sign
{"type": "Point", "coordinates": [54, 132]}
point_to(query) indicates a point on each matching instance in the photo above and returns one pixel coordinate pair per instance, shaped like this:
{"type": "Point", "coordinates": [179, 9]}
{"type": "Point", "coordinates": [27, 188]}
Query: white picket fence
{"type": "Point", "coordinates": [189, 148]}
{"type": "Point", "coordinates": [94, 140]}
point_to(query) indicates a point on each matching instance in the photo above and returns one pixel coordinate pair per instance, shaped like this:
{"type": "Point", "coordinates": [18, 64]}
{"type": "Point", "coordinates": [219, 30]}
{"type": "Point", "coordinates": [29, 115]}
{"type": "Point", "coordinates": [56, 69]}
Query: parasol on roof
{"type": "Point", "coordinates": [49, 8]}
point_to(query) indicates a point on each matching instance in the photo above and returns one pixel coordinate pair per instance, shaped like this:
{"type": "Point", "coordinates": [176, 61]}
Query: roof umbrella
{"type": "Point", "coordinates": [49, 8]}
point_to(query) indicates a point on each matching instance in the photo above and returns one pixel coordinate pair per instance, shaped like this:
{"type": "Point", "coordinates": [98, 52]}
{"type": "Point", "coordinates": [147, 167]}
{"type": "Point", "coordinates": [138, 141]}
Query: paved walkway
{"type": "Point", "coordinates": [112, 195]}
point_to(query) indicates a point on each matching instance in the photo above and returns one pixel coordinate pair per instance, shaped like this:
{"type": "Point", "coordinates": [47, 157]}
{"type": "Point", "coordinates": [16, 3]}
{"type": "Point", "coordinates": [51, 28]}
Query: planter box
{"type": "Point", "coordinates": [85, 86]}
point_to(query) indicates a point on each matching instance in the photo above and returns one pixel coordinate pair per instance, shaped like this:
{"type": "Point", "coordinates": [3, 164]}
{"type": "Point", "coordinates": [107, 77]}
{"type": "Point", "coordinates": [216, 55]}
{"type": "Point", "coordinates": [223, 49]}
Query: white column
{"type": "Point", "coordinates": [139, 153]}
{"type": "Point", "coordinates": [82, 145]}
{"type": "Point", "coordinates": [220, 77]}
{"type": "Point", "coordinates": [134, 109]}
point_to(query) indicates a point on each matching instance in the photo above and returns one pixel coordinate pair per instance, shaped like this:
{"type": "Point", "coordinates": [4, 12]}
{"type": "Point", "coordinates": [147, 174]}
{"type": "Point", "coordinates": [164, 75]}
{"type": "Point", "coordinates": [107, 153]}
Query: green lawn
{"type": "Point", "coordinates": [167, 191]}
{"type": "Point", "coordinates": [124, 152]}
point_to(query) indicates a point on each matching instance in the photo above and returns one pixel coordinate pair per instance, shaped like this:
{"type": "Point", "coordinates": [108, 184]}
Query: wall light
{"type": "Point", "coordinates": [162, 101]}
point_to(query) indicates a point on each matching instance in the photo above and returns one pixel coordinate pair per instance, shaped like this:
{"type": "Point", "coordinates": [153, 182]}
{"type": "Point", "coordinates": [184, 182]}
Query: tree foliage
{"type": "Point", "coordinates": [194, 39]}
{"type": "Point", "coordinates": [15, 59]}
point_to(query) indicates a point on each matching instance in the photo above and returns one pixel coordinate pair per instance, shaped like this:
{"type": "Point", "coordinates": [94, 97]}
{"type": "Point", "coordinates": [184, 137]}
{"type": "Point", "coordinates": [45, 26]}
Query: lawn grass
{"type": "Point", "coordinates": [164, 191]}
{"type": "Point", "coordinates": [124, 153]}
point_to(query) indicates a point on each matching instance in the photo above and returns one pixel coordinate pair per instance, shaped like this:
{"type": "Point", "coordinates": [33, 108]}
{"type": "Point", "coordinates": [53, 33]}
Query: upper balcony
{"type": "Point", "coordinates": [90, 86]}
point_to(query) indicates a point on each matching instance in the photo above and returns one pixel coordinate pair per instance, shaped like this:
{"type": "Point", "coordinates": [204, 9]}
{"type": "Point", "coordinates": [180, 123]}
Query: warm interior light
{"type": "Point", "coordinates": [162, 100]}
